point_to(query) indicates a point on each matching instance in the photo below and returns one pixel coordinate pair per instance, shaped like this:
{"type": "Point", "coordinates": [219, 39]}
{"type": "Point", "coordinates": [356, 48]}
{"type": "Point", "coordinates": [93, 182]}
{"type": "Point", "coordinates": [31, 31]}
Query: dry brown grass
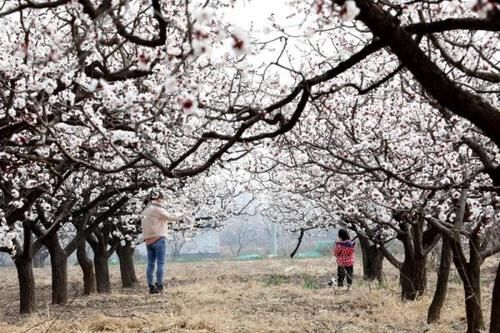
{"type": "Point", "coordinates": [226, 296]}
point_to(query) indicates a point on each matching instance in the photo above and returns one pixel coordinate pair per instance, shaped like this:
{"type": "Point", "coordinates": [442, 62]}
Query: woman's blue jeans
{"type": "Point", "coordinates": [157, 253]}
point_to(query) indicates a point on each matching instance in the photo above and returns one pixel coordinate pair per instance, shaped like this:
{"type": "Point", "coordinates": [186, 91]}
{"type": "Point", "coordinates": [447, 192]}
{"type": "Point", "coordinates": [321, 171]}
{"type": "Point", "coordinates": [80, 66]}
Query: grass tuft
{"type": "Point", "coordinates": [276, 279]}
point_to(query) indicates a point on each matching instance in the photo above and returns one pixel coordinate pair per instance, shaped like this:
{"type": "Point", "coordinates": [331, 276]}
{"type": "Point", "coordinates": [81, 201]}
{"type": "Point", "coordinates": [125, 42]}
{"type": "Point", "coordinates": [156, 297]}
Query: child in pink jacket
{"type": "Point", "coordinates": [344, 252]}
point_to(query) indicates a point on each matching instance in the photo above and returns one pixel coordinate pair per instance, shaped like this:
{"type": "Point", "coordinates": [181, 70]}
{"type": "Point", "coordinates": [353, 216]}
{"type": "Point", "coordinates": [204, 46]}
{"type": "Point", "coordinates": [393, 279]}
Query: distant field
{"type": "Point", "coordinates": [228, 296]}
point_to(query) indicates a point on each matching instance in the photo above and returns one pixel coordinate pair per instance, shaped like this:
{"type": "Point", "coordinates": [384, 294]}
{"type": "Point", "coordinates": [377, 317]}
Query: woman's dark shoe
{"type": "Point", "coordinates": [159, 288]}
{"type": "Point", "coordinates": [153, 289]}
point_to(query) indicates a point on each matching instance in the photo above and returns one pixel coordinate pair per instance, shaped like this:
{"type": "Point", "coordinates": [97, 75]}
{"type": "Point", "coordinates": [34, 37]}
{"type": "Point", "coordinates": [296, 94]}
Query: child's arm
{"type": "Point", "coordinates": [336, 250]}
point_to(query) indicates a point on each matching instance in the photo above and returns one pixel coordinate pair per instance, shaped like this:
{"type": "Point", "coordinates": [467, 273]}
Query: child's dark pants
{"type": "Point", "coordinates": [344, 272]}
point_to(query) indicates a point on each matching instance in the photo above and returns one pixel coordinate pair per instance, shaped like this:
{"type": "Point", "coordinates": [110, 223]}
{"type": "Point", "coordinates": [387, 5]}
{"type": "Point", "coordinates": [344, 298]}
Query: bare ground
{"type": "Point", "coordinates": [230, 296]}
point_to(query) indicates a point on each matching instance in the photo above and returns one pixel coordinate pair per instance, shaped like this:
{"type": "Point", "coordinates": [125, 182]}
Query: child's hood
{"type": "Point", "coordinates": [346, 243]}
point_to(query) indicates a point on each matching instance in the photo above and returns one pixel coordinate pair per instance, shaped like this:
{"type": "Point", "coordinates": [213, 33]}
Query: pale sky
{"type": "Point", "coordinates": [258, 12]}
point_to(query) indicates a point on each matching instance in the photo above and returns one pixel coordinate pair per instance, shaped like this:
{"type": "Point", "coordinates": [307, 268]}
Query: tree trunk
{"type": "Point", "coordinates": [413, 277]}
{"type": "Point", "coordinates": [127, 270]}
{"type": "Point", "coordinates": [175, 253]}
{"type": "Point", "coordinates": [102, 272]}
{"type": "Point", "coordinates": [373, 260]}
{"type": "Point", "coordinates": [434, 312]}
{"type": "Point", "coordinates": [59, 268]}
{"type": "Point", "coordinates": [39, 258]}
{"type": "Point", "coordinates": [26, 280]}
{"type": "Point", "coordinates": [299, 242]}
{"type": "Point", "coordinates": [89, 280]}
{"type": "Point", "coordinates": [495, 305]}
{"type": "Point", "coordinates": [38, 261]}
{"type": "Point", "coordinates": [473, 304]}
{"type": "Point", "coordinates": [470, 275]}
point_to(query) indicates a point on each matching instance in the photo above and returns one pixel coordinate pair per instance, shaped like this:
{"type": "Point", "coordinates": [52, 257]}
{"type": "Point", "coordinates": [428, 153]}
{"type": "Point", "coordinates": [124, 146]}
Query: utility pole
{"type": "Point", "coordinates": [275, 248]}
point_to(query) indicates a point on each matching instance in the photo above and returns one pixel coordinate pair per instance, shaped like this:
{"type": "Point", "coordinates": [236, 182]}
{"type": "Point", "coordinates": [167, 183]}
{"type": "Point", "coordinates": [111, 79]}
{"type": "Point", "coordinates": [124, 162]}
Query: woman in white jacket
{"type": "Point", "coordinates": [155, 221]}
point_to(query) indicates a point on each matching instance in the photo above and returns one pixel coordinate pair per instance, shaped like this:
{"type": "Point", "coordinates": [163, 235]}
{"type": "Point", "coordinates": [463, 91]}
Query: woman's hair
{"type": "Point", "coordinates": [155, 195]}
{"type": "Point", "coordinates": [344, 234]}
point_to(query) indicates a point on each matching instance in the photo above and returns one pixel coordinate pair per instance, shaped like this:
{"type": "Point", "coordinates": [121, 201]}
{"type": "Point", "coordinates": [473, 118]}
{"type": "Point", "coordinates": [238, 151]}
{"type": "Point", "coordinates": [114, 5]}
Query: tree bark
{"type": "Point", "coordinates": [373, 260]}
{"type": "Point", "coordinates": [473, 302]}
{"type": "Point", "coordinates": [127, 270]}
{"type": "Point", "coordinates": [299, 242]}
{"type": "Point", "coordinates": [39, 258]}
{"type": "Point", "coordinates": [103, 282]}
{"type": "Point", "coordinates": [89, 280]}
{"type": "Point", "coordinates": [434, 312]}
{"type": "Point", "coordinates": [99, 243]}
{"type": "Point", "coordinates": [38, 261]}
{"type": "Point", "coordinates": [59, 269]}
{"type": "Point", "coordinates": [26, 280]}
{"type": "Point", "coordinates": [413, 277]}
{"type": "Point", "coordinates": [417, 242]}
{"type": "Point", "coordinates": [495, 305]}
{"type": "Point", "coordinates": [469, 273]}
